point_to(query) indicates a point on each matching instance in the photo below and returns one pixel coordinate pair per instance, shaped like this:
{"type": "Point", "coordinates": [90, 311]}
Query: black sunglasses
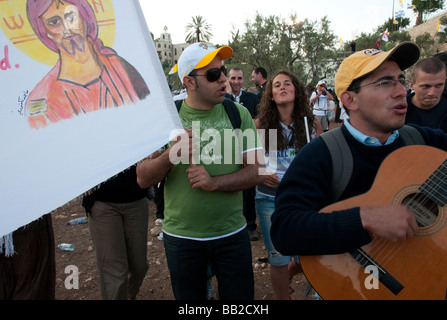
{"type": "Point", "coordinates": [212, 75]}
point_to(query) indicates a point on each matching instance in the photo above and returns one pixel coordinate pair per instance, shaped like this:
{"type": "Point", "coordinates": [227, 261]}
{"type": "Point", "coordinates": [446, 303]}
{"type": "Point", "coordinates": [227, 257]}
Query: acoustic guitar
{"type": "Point", "coordinates": [415, 176]}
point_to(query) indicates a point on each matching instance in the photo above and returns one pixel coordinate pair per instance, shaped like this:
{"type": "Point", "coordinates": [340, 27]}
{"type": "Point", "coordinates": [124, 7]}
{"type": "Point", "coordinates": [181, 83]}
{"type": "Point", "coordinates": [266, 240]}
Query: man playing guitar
{"type": "Point", "coordinates": [372, 88]}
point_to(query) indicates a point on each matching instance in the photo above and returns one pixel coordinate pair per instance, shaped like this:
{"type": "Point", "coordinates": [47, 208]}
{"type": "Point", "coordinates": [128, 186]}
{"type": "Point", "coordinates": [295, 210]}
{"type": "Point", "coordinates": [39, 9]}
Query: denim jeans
{"type": "Point", "coordinates": [265, 206]}
{"type": "Point", "coordinates": [229, 257]}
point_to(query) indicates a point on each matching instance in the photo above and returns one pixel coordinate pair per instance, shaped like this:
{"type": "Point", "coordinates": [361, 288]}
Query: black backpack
{"type": "Point", "coordinates": [230, 108]}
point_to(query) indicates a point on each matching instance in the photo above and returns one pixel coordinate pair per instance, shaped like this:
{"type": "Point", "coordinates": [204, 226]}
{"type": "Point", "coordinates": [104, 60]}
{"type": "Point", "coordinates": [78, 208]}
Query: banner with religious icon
{"type": "Point", "coordinates": [83, 97]}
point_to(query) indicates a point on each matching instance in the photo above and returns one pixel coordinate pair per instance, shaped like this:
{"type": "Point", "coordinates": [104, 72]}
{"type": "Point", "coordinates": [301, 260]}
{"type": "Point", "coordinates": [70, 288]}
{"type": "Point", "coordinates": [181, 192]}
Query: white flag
{"type": "Point", "coordinates": [385, 35]}
{"type": "Point", "coordinates": [440, 27]}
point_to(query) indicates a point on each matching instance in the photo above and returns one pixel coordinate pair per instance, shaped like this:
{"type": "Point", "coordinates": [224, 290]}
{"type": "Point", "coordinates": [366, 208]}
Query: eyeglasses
{"type": "Point", "coordinates": [388, 83]}
{"type": "Point", "coordinates": [212, 75]}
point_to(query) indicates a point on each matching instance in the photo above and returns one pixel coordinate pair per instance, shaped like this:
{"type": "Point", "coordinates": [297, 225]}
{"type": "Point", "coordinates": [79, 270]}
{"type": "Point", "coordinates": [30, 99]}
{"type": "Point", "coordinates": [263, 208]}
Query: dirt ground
{"type": "Point", "coordinates": [156, 285]}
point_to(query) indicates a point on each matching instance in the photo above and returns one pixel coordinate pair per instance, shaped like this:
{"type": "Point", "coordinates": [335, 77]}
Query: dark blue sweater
{"type": "Point", "coordinates": [298, 228]}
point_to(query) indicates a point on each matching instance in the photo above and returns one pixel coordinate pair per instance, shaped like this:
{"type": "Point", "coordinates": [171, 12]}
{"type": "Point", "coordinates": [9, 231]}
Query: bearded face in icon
{"type": "Point", "coordinates": [65, 27]}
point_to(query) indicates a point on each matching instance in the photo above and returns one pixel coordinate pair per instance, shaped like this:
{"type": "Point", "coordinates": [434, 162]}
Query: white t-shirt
{"type": "Point", "coordinates": [279, 161]}
{"type": "Point", "coordinates": [321, 104]}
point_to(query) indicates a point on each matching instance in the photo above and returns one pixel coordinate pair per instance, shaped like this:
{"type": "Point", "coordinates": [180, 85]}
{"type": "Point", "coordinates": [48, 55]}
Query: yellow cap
{"type": "Point", "coordinates": [366, 61]}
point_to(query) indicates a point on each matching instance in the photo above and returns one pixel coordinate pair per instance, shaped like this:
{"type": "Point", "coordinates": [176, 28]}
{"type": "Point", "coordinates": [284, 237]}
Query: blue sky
{"type": "Point", "coordinates": [349, 18]}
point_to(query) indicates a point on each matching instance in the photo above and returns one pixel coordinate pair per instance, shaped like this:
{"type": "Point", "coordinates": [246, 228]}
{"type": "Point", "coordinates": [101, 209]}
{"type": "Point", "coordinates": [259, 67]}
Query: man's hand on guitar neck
{"type": "Point", "coordinates": [394, 223]}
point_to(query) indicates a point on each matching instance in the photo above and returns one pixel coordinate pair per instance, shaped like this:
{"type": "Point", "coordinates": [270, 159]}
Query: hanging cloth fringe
{"type": "Point", "coordinates": [6, 241]}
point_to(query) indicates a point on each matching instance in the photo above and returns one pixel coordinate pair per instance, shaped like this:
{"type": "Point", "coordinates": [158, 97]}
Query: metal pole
{"type": "Point", "coordinates": [392, 19]}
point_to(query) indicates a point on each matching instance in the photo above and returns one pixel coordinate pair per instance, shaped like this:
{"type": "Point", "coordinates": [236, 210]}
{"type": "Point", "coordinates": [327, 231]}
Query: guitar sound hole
{"type": "Point", "coordinates": [425, 210]}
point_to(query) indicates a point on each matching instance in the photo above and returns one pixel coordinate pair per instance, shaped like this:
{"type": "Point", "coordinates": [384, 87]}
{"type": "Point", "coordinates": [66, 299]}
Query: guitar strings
{"type": "Point", "coordinates": [436, 185]}
{"type": "Point", "coordinates": [435, 188]}
{"type": "Point", "coordinates": [383, 250]}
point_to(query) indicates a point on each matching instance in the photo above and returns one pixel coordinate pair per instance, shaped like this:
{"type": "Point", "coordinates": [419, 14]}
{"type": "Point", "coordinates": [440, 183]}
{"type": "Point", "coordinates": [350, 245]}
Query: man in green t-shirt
{"type": "Point", "coordinates": [203, 222]}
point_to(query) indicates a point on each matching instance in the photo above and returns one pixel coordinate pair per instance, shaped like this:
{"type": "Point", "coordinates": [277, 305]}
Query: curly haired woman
{"type": "Point", "coordinates": [284, 110]}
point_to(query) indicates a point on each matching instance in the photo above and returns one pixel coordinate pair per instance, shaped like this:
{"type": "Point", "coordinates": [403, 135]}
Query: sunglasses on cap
{"type": "Point", "coordinates": [212, 75]}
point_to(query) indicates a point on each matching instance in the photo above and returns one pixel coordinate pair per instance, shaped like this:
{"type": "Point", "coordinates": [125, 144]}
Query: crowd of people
{"type": "Point", "coordinates": [210, 198]}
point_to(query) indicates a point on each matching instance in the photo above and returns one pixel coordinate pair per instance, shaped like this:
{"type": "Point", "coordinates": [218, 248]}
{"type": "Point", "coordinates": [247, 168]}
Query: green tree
{"type": "Point", "coordinates": [422, 7]}
{"type": "Point", "coordinates": [306, 48]}
{"type": "Point", "coordinates": [367, 41]}
{"type": "Point", "coordinates": [400, 36]}
{"type": "Point", "coordinates": [426, 43]}
{"type": "Point", "coordinates": [313, 45]}
{"type": "Point", "coordinates": [198, 30]}
{"type": "Point", "coordinates": [391, 26]}
{"type": "Point", "coordinates": [262, 44]}
{"type": "Point", "coordinates": [173, 79]}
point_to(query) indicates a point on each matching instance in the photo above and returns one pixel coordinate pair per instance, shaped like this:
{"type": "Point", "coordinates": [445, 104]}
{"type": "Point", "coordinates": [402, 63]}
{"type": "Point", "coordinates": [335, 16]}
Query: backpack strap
{"type": "Point", "coordinates": [178, 104]}
{"type": "Point", "coordinates": [233, 113]}
{"type": "Point", "coordinates": [411, 135]}
{"type": "Point", "coordinates": [342, 162]}
{"type": "Point", "coordinates": [230, 108]}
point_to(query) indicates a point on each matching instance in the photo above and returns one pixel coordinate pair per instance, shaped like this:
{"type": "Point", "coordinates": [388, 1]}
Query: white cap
{"type": "Point", "coordinates": [199, 55]}
{"type": "Point", "coordinates": [321, 82]}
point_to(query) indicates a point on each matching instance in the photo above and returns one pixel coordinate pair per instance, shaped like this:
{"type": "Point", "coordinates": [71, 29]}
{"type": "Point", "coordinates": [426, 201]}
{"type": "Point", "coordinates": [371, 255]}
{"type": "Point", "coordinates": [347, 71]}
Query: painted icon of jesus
{"type": "Point", "coordinates": [88, 76]}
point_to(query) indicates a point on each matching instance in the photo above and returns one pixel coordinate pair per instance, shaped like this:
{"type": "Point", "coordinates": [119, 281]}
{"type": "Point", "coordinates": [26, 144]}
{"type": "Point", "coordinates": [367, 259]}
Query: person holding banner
{"type": "Point", "coordinates": [203, 223]}
{"type": "Point", "coordinates": [118, 215]}
{"type": "Point", "coordinates": [284, 109]}
{"type": "Point", "coordinates": [28, 262]}
{"type": "Point", "coordinates": [88, 76]}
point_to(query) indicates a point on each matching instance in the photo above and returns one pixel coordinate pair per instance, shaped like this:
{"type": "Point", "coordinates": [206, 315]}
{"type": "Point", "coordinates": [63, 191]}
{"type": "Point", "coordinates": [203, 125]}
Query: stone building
{"type": "Point", "coordinates": [167, 51]}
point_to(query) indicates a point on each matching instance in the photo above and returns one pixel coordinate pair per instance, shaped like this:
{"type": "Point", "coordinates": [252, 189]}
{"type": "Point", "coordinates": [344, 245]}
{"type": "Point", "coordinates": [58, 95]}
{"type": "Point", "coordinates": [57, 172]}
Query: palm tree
{"type": "Point", "coordinates": [198, 30]}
